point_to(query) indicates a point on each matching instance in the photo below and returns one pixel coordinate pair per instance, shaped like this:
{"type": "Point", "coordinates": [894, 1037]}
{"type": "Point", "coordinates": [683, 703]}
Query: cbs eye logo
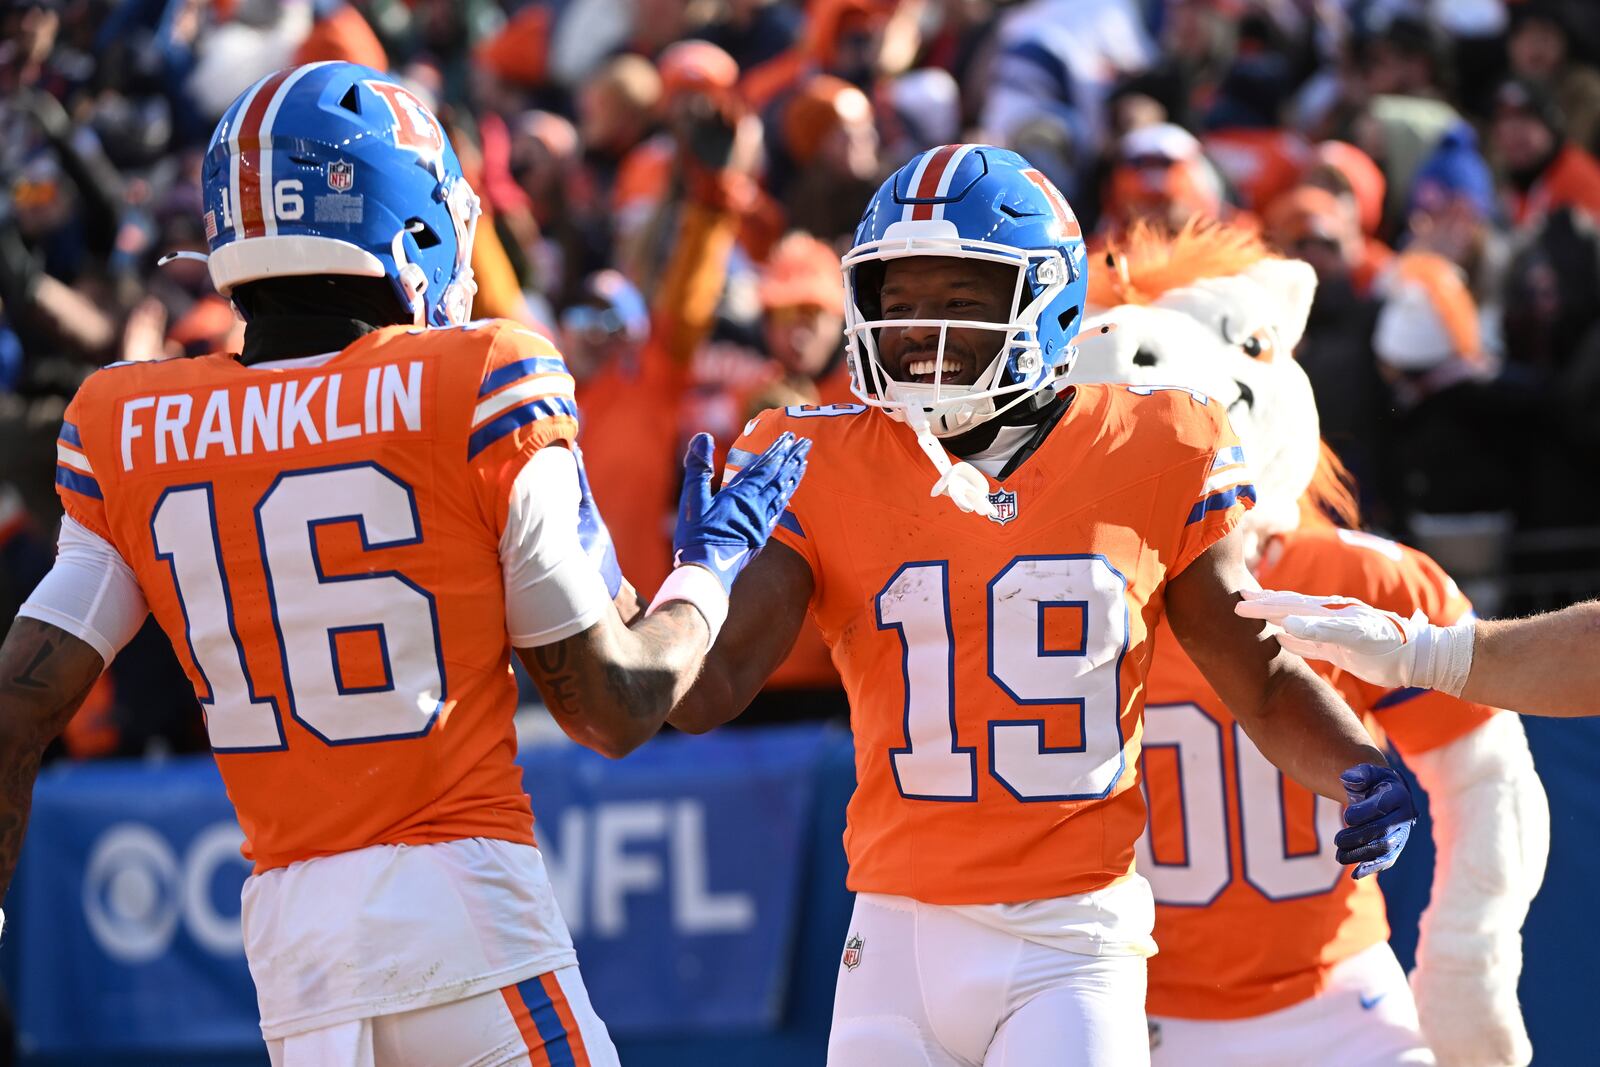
{"type": "Point", "coordinates": [137, 889]}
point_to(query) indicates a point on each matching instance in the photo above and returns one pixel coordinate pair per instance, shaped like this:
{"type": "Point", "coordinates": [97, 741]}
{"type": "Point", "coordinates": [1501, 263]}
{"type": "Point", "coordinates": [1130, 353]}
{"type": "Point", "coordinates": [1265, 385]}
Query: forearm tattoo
{"type": "Point", "coordinates": [586, 683]}
{"type": "Point", "coordinates": [44, 676]}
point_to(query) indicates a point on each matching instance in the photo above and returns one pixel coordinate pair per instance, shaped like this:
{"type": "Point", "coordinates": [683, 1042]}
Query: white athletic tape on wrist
{"type": "Point", "coordinates": [1449, 658]}
{"type": "Point", "coordinates": [695, 585]}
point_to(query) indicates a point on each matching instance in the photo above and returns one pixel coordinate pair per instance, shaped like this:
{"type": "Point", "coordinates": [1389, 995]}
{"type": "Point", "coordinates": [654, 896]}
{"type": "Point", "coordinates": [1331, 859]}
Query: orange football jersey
{"type": "Point", "coordinates": [319, 538]}
{"type": "Point", "coordinates": [995, 668]}
{"type": "Point", "coordinates": [1252, 909]}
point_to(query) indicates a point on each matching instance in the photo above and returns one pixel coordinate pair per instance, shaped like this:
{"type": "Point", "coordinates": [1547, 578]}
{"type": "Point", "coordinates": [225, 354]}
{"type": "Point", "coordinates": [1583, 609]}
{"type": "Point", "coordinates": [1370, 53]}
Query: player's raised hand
{"type": "Point", "coordinates": [1378, 821]}
{"type": "Point", "coordinates": [723, 531]}
{"type": "Point", "coordinates": [1376, 645]}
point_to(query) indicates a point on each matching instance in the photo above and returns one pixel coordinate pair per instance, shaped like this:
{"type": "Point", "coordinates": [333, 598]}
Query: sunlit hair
{"type": "Point", "coordinates": [1330, 499]}
{"type": "Point", "coordinates": [1146, 262]}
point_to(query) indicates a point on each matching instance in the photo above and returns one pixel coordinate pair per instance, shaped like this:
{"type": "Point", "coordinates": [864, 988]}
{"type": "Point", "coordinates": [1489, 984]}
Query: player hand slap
{"type": "Point", "coordinates": [1378, 821]}
{"type": "Point", "coordinates": [723, 531]}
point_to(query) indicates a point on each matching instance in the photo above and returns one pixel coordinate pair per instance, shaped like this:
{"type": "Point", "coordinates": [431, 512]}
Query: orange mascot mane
{"type": "Point", "coordinates": [1147, 262]}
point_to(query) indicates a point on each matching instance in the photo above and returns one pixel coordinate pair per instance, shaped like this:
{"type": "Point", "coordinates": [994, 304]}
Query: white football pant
{"type": "Point", "coordinates": [1364, 1017]}
{"type": "Point", "coordinates": [928, 987]}
{"type": "Point", "coordinates": [546, 1021]}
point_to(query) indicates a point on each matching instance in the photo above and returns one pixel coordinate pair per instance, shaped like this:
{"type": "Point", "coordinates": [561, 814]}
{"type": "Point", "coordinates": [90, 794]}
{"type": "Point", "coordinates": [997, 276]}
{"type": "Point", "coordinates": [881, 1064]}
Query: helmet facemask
{"type": "Point", "coordinates": [455, 304]}
{"type": "Point", "coordinates": [1018, 369]}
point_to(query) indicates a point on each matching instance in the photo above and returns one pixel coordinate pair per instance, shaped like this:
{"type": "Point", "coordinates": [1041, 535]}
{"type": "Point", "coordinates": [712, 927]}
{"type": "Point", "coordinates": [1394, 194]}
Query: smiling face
{"type": "Point", "coordinates": [927, 288]}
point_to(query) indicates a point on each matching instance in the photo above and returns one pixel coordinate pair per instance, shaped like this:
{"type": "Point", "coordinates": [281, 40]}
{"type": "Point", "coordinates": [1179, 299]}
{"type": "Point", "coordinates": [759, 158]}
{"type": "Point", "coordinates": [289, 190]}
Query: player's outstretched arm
{"type": "Point", "coordinates": [1545, 665]}
{"type": "Point", "coordinates": [765, 613]}
{"type": "Point", "coordinates": [45, 673]}
{"type": "Point", "coordinates": [1294, 717]}
{"type": "Point", "coordinates": [611, 686]}
{"type": "Point", "coordinates": [1297, 720]}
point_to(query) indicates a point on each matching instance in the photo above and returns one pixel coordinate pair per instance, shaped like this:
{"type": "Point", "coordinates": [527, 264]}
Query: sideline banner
{"type": "Point", "coordinates": [678, 869]}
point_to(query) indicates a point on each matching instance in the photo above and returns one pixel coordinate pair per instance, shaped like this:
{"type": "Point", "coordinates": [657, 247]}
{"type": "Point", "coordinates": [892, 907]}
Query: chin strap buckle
{"type": "Point", "coordinates": [963, 483]}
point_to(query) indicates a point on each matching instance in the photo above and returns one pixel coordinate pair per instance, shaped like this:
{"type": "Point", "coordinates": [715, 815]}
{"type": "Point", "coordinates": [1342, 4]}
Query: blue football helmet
{"type": "Point", "coordinates": [970, 202]}
{"type": "Point", "coordinates": [336, 168]}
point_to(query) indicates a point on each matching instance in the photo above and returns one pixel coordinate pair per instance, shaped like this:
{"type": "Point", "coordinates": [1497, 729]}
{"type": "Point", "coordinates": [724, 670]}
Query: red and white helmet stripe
{"type": "Point", "coordinates": [931, 180]}
{"type": "Point", "coordinates": [249, 151]}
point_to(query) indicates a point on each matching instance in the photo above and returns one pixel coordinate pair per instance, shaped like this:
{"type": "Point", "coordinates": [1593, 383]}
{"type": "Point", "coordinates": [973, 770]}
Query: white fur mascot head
{"type": "Point", "coordinates": [1212, 309]}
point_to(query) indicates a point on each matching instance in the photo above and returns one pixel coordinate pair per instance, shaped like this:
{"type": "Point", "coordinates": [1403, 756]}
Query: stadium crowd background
{"type": "Point", "coordinates": [667, 186]}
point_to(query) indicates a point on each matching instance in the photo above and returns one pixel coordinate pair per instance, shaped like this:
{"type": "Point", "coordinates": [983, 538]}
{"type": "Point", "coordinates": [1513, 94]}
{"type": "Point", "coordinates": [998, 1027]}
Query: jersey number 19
{"type": "Point", "coordinates": [933, 765]}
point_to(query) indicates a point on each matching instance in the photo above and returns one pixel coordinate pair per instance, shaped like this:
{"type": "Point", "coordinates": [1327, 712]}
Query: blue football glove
{"type": "Point", "coordinates": [1378, 821]}
{"type": "Point", "coordinates": [723, 531]}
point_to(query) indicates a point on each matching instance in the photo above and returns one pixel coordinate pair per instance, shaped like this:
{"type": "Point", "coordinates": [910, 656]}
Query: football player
{"type": "Point", "coordinates": [345, 531]}
{"type": "Point", "coordinates": [1544, 665]}
{"type": "Point", "coordinates": [995, 651]}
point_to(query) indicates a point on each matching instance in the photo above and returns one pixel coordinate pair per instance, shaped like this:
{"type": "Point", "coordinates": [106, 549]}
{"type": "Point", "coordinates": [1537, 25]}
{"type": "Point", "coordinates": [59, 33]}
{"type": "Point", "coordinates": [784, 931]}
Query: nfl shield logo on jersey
{"type": "Point", "coordinates": [1005, 506]}
{"type": "Point", "coordinates": [341, 175]}
{"type": "Point", "coordinates": [852, 952]}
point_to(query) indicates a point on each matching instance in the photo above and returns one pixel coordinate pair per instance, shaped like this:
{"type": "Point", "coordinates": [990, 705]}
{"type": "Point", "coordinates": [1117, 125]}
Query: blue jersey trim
{"type": "Point", "coordinates": [1220, 501]}
{"type": "Point", "coordinates": [518, 417]}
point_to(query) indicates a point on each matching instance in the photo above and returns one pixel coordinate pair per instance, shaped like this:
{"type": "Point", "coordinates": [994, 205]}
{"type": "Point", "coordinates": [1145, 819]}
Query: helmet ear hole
{"type": "Point", "coordinates": [422, 233]}
{"type": "Point", "coordinates": [1067, 318]}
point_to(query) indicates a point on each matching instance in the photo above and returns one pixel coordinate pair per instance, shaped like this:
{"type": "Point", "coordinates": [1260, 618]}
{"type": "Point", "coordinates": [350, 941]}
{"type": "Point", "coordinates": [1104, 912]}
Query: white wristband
{"type": "Point", "coordinates": [694, 584]}
{"type": "Point", "coordinates": [1444, 659]}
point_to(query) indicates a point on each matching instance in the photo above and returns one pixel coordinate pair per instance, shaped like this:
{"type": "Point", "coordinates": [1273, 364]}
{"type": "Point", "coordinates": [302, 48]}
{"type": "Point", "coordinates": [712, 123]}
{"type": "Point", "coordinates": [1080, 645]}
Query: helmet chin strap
{"type": "Point", "coordinates": [963, 483]}
{"type": "Point", "coordinates": [173, 257]}
{"type": "Point", "coordinates": [413, 282]}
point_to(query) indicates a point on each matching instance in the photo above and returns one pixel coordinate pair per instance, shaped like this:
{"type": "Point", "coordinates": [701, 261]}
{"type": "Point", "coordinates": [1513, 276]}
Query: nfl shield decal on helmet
{"type": "Point", "coordinates": [341, 175]}
{"type": "Point", "coordinates": [852, 952]}
{"type": "Point", "coordinates": [1005, 506]}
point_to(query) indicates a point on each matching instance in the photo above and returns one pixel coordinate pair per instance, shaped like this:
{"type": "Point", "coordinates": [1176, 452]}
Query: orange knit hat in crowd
{"type": "Point", "coordinates": [696, 67]}
{"type": "Point", "coordinates": [823, 104]}
{"type": "Point", "coordinates": [802, 272]}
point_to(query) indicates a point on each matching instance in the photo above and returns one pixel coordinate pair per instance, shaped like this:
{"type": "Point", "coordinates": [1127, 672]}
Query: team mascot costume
{"type": "Point", "coordinates": [1263, 939]}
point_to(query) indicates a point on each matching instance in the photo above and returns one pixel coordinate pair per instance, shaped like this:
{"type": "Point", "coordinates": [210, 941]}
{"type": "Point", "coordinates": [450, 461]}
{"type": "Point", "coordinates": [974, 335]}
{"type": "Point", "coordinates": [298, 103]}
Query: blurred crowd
{"type": "Point", "coordinates": [668, 185]}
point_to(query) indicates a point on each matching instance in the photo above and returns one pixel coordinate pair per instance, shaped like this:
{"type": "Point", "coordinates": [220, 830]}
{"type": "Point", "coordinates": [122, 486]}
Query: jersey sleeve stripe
{"type": "Point", "coordinates": [1396, 696]}
{"type": "Point", "coordinates": [71, 457]}
{"type": "Point", "coordinates": [501, 377]}
{"type": "Point", "coordinates": [1227, 457]}
{"type": "Point", "coordinates": [68, 478]}
{"type": "Point", "coordinates": [789, 522]}
{"type": "Point", "coordinates": [534, 388]}
{"type": "Point", "coordinates": [69, 434]}
{"type": "Point", "coordinates": [739, 458]}
{"type": "Point", "coordinates": [552, 407]}
{"type": "Point", "coordinates": [1226, 478]}
{"type": "Point", "coordinates": [1220, 502]}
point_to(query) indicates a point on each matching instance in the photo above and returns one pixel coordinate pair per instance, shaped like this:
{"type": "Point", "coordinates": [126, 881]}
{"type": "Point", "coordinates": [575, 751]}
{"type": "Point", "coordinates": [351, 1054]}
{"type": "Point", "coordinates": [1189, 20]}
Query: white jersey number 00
{"type": "Point", "coordinates": [1206, 868]}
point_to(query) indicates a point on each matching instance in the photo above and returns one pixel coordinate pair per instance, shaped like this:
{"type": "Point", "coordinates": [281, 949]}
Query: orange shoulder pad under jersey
{"type": "Point", "coordinates": [1238, 855]}
{"type": "Point", "coordinates": [995, 667]}
{"type": "Point", "coordinates": [319, 539]}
